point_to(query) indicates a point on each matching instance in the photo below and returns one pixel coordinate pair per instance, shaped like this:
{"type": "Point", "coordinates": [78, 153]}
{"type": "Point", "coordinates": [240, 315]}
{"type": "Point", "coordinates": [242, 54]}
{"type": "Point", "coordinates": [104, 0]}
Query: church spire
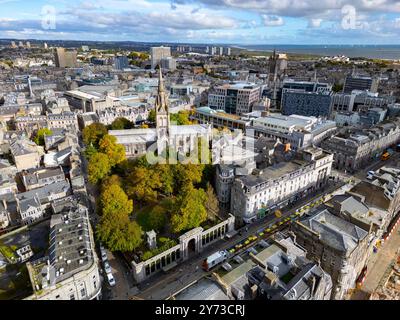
{"type": "Point", "coordinates": [160, 81]}
{"type": "Point", "coordinates": [161, 100]}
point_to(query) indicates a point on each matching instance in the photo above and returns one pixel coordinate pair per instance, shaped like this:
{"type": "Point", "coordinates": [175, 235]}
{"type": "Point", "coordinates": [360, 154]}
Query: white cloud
{"type": "Point", "coordinates": [230, 20]}
{"type": "Point", "coordinates": [315, 23]}
{"type": "Point", "coordinates": [272, 20]}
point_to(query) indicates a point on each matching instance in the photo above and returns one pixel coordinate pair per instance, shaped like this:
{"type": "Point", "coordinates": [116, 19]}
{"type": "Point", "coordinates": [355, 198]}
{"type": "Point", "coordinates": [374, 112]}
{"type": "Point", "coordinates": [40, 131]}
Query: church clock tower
{"type": "Point", "coordinates": [162, 116]}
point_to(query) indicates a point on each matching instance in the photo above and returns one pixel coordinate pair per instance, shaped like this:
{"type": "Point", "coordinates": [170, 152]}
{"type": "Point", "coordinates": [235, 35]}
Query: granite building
{"type": "Point", "coordinates": [276, 186]}
{"type": "Point", "coordinates": [70, 272]}
{"type": "Point", "coordinates": [356, 148]}
{"type": "Point", "coordinates": [338, 246]}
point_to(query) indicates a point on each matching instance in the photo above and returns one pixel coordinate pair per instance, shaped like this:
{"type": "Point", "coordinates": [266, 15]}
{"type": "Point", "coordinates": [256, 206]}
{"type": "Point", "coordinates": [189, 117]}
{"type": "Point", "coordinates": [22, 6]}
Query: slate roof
{"type": "Point", "coordinates": [334, 231]}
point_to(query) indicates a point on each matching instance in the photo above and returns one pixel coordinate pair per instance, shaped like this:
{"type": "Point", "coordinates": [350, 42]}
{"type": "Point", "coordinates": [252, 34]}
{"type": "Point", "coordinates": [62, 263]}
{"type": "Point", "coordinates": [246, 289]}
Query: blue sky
{"type": "Point", "coordinates": [205, 21]}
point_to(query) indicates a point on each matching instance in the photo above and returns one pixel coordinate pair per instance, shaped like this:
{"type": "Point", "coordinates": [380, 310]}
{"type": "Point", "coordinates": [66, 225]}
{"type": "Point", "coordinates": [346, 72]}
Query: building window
{"type": "Point", "coordinates": [83, 292]}
{"type": "Point", "coordinates": [72, 297]}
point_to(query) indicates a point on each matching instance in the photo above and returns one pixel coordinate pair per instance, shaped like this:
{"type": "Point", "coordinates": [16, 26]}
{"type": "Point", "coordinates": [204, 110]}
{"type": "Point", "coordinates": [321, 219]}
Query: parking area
{"type": "Point", "coordinates": [122, 287]}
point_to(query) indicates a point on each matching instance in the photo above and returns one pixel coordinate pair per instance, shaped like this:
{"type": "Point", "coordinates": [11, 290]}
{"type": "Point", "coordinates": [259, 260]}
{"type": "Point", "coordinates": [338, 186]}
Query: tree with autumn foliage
{"type": "Point", "coordinates": [115, 152]}
{"type": "Point", "coordinates": [143, 184]}
{"type": "Point", "coordinates": [190, 210]}
{"type": "Point", "coordinates": [114, 199]}
{"type": "Point", "coordinates": [115, 229]}
{"type": "Point", "coordinates": [121, 123]}
{"type": "Point", "coordinates": [93, 133]}
{"type": "Point", "coordinates": [99, 167]}
{"type": "Point", "coordinates": [212, 203]}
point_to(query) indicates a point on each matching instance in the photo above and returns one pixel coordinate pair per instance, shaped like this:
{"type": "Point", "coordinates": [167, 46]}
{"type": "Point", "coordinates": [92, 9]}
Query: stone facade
{"type": "Point", "coordinates": [358, 148]}
{"type": "Point", "coordinates": [190, 243]}
{"type": "Point", "coordinates": [300, 131]}
{"type": "Point", "coordinates": [71, 274]}
{"type": "Point", "coordinates": [279, 185]}
{"type": "Point", "coordinates": [340, 247]}
{"type": "Point", "coordinates": [183, 139]}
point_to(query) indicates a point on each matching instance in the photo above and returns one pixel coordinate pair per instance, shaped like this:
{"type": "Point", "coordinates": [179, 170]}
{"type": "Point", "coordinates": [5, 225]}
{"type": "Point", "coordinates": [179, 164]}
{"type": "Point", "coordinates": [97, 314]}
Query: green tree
{"type": "Point", "coordinates": [337, 87]}
{"type": "Point", "coordinates": [180, 118]}
{"type": "Point", "coordinates": [157, 218]}
{"type": "Point", "coordinates": [212, 203]}
{"type": "Point", "coordinates": [90, 151]}
{"type": "Point", "coordinates": [115, 152]}
{"type": "Point", "coordinates": [143, 184]}
{"type": "Point", "coordinates": [39, 138]}
{"type": "Point", "coordinates": [93, 133]}
{"type": "Point", "coordinates": [111, 180]}
{"type": "Point", "coordinates": [113, 200]}
{"type": "Point", "coordinates": [190, 210]}
{"type": "Point", "coordinates": [187, 175]}
{"type": "Point", "coordinates": [166, 177]}
{"type": "Point", "coordinates": [152, 115]}
{"type": "Point", "coordinates": [121, 123]}
{"type": "Point", "coordinates": [118, 233]}
{"type": "Point", "coordinates": [99, 167]}
{"type": "Point", "coordinates": [115, 229]}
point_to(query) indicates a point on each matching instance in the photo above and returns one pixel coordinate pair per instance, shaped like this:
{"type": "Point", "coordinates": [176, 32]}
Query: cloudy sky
{"type": "Point", "coordinates": [205, 21]}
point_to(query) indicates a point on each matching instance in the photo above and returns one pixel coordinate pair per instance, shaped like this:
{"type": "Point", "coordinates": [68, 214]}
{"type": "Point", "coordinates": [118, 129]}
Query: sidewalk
{"type": "Point", "coordinates": [378, 265]}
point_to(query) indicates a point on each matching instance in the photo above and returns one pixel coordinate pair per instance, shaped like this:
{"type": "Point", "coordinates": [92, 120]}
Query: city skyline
{"type": "Point", "coordinates": [256, 22]}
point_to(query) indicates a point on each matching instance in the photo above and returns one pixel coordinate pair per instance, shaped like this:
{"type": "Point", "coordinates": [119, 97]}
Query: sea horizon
{"type": "Point", "coordinates": [369, 51]}
{"type": "Point", "coordinates": [387, 52]}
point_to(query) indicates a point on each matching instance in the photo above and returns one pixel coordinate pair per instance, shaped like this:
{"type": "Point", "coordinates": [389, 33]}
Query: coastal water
{"type": "Point", "coordinates": [391, 52]}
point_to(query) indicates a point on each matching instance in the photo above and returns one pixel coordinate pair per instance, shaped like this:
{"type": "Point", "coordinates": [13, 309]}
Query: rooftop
{"type": "Point", "coordinates": [239, 86]}
{"type": "Point", "coordinates": [19, 147]}
{"type": "Point", "coordinates": [71, 249]}
{"type": "Point", "coordinates": [274, 172]}
{"type": "Point", "coordinates": [334, 231]}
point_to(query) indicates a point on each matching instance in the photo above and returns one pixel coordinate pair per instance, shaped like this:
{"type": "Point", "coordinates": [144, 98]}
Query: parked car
{"type": "Point", "coordinates": [103, 253]}
{"type": "Point", "coordinates": [104, 256]}
{"type": "Point", "coordinates": [370, 175]}
{"type": "Point", "coordinates": [110, 279]}
{"type": "Point", "coordinates": [107, 267]}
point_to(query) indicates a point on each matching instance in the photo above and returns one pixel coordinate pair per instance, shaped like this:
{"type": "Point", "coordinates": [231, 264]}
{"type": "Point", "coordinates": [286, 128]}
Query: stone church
{"type": "Point", "coordinates": [183, 139]}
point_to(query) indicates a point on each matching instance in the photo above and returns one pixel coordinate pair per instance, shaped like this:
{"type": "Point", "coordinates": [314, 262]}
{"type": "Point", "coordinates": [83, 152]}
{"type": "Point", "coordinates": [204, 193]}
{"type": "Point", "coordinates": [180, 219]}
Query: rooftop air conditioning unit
{"type": "Point", "coordinates": [68, 261]}
{"type": "Point", "coordinates": [80, 261]}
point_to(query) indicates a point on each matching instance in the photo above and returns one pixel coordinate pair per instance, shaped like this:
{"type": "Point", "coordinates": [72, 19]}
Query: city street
{"type": "Point", "coordinates": [123, 279]}
{"type": "Point", "coordinates": [161, 286]}
{"type": "Point", "coordinates": [378, 265]}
